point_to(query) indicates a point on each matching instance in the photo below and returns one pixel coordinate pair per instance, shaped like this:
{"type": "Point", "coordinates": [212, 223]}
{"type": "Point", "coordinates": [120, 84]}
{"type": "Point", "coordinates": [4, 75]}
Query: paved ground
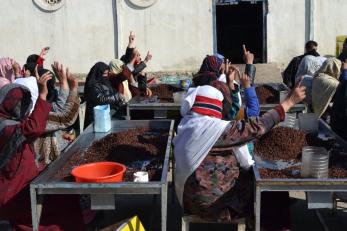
{"type": "Point", "coordinates": [148, 210]}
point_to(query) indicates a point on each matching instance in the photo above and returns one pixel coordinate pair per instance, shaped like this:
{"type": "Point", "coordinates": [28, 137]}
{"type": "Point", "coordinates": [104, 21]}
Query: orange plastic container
{"type": "Point", "coordinates": [99, 172]}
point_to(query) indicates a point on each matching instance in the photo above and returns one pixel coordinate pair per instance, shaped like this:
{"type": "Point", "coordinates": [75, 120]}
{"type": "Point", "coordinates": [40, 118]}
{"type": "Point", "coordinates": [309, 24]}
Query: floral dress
{"type": "Point", "coordinates": [218, 189]}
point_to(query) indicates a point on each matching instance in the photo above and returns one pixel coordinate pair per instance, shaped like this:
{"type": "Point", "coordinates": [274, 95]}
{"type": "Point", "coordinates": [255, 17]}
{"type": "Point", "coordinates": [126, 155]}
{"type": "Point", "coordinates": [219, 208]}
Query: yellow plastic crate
{"type": "Point", "coordinates": [339, 43]}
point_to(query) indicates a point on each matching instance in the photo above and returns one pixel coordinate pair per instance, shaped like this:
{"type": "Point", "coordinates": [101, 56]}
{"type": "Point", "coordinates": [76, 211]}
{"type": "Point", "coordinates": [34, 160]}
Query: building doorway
{"type": "Point", "coordinates": [241, 22]}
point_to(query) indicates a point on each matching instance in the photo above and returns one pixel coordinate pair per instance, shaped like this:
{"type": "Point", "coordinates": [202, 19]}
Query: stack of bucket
{"type": "Point", "coordinates": [315, 162]}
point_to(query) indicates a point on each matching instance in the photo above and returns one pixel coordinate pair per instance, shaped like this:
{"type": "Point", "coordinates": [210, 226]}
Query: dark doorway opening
{"type": "Point", "coordinates": [241, 23]}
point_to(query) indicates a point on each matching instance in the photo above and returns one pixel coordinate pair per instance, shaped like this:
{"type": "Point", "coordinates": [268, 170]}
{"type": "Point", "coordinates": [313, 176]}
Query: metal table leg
{"type": "Point", "coordinates": [163, 206]}
{"type": "Point", "coordinates": [128, 113]}
{"type": "Point", "coordinates": [36, 208]}
{"type": "Point", "coordinates": [257, 207]}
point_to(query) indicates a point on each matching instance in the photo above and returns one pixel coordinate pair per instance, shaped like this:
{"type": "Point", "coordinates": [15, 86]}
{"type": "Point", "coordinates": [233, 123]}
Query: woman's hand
{"type": "Point", "coordinates": [295, 96]}
{"type": "Point", "coordinates": [42, 83]}
{"type": "Point", "coordinates": [245, 81]}
{"type": "Point", "coordinates": [61, 75]}
{"type": "Point", "coordinates": [248, 57]}
{"type": "Point", "coordinates": [148, 57]}
{"type": "Point", "coordinates": [131, 43]}
{"type": "Point", "coordinates": [16, 69]}
{"type": "Point", "coordinates": [44, 51]}
{"type": "Point", "coordinates": [231, 75]}
{"type": "Point", "coordinates": [72, 80]}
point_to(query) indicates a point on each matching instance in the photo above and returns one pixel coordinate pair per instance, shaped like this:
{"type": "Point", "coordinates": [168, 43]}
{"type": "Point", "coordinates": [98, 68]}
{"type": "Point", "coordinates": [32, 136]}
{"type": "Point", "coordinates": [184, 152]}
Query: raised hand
{"type": "Point", "coordinates": [131, 40]}
{"type": "Point", "coordinates": [60, 72]}
{"type": "Point", "coordinates": [296, 95]}
{"type": "Point", "coordinates": [248, 57]}
{"type": "Point", "coordinates": [16, 69]}
{"type": "Point", "coordinates": [231, 77]}
{"type": "Point", "coordinates": [148, 57]}
{"type": "Point", "coordinates": [245, 81]}
{"type": "Point", "coordinates": [44, 51]}
{"type": "Point", "coordinates": [42, 83]}
{"type": "Point", "coordinates": [72, 80]}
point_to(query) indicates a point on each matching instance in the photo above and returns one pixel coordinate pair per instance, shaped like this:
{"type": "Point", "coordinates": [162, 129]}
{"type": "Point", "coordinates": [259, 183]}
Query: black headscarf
{"type": "Point", "coordinates": [128, 55]}
{"type": "Point", "coordinates": [30, 67]}
{"type": "Point", "coordinates": [52, 95]}
{"type": "Point", "coordinates": [32, 58]}
{"type": "Point", "coordinates": [95, 74]}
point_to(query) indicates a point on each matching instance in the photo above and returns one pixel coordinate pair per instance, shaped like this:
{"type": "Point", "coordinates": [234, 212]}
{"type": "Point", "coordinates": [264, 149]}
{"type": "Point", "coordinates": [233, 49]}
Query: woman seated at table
{"type": "Point", "coordinates": [208, 180]}
{"type": "Point", "coordinates": [17, 162]}
{"type": "Point", "coordinates": [98, 90]}
{"type": "Point", "coordinates": [123, 81]}
{"type": "Point", "coordinates": [210, 74]}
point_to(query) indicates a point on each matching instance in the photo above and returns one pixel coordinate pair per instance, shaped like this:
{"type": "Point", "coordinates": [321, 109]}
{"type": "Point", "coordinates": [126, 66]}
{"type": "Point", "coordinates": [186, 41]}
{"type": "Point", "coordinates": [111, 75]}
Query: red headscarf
{"type": "Point", "coordinates": [15, 105]}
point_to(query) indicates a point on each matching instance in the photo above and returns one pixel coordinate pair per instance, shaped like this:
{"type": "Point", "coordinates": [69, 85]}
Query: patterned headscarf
{"type": "Point", "coordinates": [15, 104]}
{"type": "Point", "coordinates": [211, 63]}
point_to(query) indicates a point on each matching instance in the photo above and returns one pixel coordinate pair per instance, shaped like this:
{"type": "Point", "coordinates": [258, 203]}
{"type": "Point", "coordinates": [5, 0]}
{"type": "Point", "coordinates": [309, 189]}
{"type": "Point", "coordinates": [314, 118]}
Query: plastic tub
{"type": "Point", "coordinates": [100, 172]}
{"type": "Point", "coordinates": [308, 122]}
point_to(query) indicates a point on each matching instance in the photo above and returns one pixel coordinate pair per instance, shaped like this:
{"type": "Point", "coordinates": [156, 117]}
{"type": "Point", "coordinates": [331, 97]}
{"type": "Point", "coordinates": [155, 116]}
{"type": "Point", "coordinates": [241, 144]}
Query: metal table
{"type": "Point", "coordinates": [303, 184]}
{"type": "Point", "coordinates": [280, 87]}
{"type": "Point", "coordinates": [102, 194]}
{"type": "Point", "coordinates": [160, 108]}
{"type": "Point", "coordinates": [298, 108]}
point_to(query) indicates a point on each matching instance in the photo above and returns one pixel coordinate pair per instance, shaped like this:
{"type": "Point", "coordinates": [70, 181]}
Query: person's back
{"type": "Point", "coordinates": [339, 111]}
{"type": "Point", "coordinates": [290, 72]}
{"type": "Point", "coordinates": [343, 55]}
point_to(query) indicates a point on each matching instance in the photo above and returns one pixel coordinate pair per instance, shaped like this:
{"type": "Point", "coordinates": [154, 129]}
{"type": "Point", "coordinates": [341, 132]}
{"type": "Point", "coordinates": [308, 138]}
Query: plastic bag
{"type": "Point", "coordinates": [243, 156]}
{"type": "Point", "coordinates": [102, 118]}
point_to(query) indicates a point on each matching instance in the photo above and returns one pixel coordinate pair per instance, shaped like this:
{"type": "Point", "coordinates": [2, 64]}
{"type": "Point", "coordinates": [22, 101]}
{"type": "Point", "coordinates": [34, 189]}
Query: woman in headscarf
{"type": "Point", "coordinates": [38, 59]}
{"type": "Point", "coordinates": [17, 162]}
{"type": "Point", "coordinates": [49, 146]}
{"type": "Point", "coordinates": [309, 65]}
{"type": "Point", "coordinates": [324, 85]}
{"type": "Point", "coordinates": [209, 74]}
{"type": "Point", "coordinates": [120, 75]}
{"type": "Point", "coordinates": [207, 178]}
{"type": "Point", "coordinates": [98, 90]}
{"type": "Point", "coordinates": [123, 80]}
{"type": "Point", "coordinates": [31, 84]}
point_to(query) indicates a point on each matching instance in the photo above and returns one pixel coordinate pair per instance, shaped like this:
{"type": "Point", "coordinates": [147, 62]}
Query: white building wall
{"type": "Point", "coordinates": [285, 29]}
{"type": "Point", "coordinates": [79, 34]}
{"type": "Point", "coordinates": [179, 33]}
{"type": "Point", "coordinates": [330, 21]}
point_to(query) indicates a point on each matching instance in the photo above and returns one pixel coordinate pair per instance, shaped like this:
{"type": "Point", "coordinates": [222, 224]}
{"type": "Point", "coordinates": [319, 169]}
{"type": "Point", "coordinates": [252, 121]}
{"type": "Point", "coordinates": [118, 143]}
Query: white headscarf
{"type": "Point", "coordinates": [196, 135]}
{"type": "Point", "coordinates": [31, 83]}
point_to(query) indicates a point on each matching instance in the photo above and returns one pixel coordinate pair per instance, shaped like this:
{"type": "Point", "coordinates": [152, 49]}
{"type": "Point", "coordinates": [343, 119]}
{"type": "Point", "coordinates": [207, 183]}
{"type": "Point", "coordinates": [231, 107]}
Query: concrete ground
{"type": "Point", "coordinates": [148, 210]}
{"type": "Point", "coordinates": [147, 207]}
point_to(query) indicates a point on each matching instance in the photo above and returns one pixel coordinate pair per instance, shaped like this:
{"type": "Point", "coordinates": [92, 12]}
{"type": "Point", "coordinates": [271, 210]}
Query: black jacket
{"type": "Point", "coordinates": [101, 93]}
{"type": "Point", "coordinates": [339, 111]}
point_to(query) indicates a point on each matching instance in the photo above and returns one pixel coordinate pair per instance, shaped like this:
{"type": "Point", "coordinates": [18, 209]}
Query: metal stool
{"type": "Point", "coordinates": [187, 219]}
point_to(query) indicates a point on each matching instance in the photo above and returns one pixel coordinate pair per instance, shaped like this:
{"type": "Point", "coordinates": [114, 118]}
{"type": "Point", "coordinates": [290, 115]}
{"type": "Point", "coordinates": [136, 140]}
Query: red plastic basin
{"type": "Point", "coordinates": [107, 172]}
